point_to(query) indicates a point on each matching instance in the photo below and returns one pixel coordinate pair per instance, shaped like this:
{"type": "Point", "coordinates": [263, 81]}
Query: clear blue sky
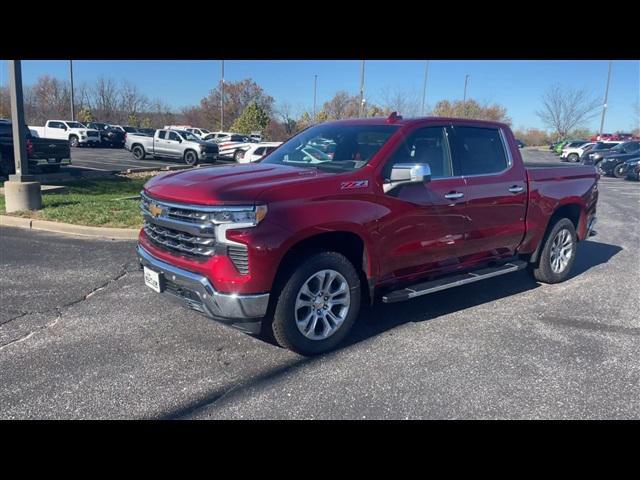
{"type": "Point", "coordinates": [518, 85]}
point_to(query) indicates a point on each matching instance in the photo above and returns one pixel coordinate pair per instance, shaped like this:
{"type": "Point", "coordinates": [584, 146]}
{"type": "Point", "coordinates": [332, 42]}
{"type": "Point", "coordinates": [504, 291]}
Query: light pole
{"type": "Point", "coordinates": [464, 98]}
{"type": "Point", "coordinates": [73, 110]}
{"type": "Point", "coordinates": [315, 87]}
{"type": "Point", "coordinates": [222, 98]}
{"type": "Point", "coordinates": [361, 89]}
{"type": "Point", "coordinates": [424, 88]}
{"type": "Point", "coordinates": [604, 105]}
{"type": "Point", "coordinates": [22, 192]}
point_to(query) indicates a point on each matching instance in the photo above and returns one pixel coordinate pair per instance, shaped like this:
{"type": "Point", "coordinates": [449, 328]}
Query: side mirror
{"type": "Point", "coordinates": [406, 173]}
{"type": "Point", "coordinates": [64, 127]}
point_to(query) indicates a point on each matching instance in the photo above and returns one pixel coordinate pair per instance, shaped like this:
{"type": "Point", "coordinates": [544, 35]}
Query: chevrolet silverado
{"type": "Point", "coordinates": [291, 246]}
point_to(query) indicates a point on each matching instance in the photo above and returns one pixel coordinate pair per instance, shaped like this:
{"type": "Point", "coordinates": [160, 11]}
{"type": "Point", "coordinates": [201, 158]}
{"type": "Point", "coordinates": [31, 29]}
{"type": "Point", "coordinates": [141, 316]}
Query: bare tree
{"type": "Point", "coordinates": [285, 114]}
{"type": "Point", "coordinates": [565, 109]}
{"type": "Point", "coordinates": [405, 103]}
{"type": "Point", "coordinates": [105, 100]}
{"type": "Point", "coordinates": [132, 101]}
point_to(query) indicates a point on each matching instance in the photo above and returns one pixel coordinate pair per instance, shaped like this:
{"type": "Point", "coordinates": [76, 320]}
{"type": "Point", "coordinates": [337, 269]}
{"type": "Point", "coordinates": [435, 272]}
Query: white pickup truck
{"type": "Point", "coordinates": [76, 133]}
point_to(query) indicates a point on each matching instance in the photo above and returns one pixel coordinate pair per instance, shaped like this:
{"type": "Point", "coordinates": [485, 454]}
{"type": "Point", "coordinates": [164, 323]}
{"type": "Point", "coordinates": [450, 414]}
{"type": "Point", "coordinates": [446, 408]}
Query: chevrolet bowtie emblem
{"type": "Point", "coordinates": [155, 210]}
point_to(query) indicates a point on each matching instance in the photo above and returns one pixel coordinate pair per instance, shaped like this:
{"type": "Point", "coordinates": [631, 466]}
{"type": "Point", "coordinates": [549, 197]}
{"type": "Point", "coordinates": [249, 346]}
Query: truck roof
{"type": "Point", "coordinates": [410, 121]}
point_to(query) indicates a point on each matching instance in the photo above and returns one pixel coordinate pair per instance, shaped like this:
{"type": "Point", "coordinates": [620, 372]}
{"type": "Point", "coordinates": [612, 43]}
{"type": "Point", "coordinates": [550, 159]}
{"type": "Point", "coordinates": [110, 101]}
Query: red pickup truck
{"type": "Point", "coordinates": [290, 247]}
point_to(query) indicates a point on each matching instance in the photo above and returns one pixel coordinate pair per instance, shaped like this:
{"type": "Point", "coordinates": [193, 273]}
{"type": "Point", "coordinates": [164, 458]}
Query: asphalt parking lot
{"type": "Point", "coordinates": [114, 160]}
{"type": "Point", "coordinates": [82, 337]}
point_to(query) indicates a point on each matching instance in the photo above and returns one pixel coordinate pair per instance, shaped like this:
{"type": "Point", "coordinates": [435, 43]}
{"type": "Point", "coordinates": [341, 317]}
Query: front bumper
{"type": "Point", "coordinates": [89, 140]}
{"type": "Point", "coordinates": [204, 156]}
{"type": "Point", "coordinates": [243, 312]}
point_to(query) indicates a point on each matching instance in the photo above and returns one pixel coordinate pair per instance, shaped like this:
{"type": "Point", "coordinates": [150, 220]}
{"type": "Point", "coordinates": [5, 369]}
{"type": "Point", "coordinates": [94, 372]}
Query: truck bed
{"type": "Point", "coordinates": [551, 187]}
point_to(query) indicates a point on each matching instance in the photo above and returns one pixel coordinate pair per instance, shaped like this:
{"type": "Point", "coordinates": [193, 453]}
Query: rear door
{"type": "Point", "coordinates": [496, 191]}
{"type": "Point", "coordinates": [161, 143]}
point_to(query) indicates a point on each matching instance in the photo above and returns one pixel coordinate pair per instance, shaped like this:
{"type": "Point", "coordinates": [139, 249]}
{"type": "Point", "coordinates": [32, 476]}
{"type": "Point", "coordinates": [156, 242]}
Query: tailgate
{"type": "Point", "coordinates": [47, 148]}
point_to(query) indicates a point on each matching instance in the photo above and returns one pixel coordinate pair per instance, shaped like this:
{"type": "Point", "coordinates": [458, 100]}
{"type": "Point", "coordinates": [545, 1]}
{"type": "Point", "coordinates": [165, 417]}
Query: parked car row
{"type": "Point", "coordinates": [616, 158]}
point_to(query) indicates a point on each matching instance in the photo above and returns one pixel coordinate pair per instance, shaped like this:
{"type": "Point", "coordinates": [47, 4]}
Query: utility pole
{"type": "Point", "coordinates": [73, 109]}
{"type": "Point", "coordinates": [464, 98]}
{"type": "Point", "coordinates": [22, 192]}
{"type": "Point", "coordinates": [360, 112]}
{"type": "Point", "coordinates": [315, 87]}
{"type": "Point", "coordinates": [424, 88]}
{"type": "Point", "coordinates": [604, 106]}
{"type": "Point", "coordinates": [222, 99]}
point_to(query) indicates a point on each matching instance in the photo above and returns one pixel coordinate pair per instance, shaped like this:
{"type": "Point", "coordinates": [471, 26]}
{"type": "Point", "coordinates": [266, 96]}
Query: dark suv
{"type": "Point", "coordinates": [109, 136]}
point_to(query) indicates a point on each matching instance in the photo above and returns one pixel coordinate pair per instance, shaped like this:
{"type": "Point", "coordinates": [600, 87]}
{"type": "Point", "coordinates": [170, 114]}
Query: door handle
{"type": "Point", "coordinates": [454, 195]}
{"type": "Point", "coordinates": [516, 189]}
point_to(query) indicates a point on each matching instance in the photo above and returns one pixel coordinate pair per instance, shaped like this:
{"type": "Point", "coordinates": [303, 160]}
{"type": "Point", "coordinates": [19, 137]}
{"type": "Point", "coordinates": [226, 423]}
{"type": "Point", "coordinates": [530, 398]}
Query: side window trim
{"type": "Point", "coordinates": [507, 152]}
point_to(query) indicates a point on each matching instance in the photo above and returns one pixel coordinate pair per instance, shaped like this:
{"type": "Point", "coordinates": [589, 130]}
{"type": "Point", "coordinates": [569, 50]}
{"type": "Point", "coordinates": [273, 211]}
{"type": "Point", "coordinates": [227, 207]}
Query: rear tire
{"type": "Point", "coordinates": [237, 155]}
{"type": "Point", "coordinates": [138, 152]}
{"type": "Point", "coordinates": [558, 253]}
{"type": "Point", "coordinates": [332, 308]}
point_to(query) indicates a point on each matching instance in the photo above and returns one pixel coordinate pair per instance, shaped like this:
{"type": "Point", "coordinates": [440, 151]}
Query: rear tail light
{"type": "Point", "coordinates": [29, 147]}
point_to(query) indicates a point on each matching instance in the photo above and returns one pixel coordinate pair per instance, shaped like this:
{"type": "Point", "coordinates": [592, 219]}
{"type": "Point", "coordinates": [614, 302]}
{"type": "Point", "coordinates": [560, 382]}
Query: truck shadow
{"type": "Point", "coordinates": [383, 317]}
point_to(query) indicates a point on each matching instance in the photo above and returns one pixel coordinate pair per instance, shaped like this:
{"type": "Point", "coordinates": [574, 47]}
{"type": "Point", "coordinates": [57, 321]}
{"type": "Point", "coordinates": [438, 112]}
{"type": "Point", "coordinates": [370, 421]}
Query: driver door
{"type": "Point", "coordinates": [426, 223]}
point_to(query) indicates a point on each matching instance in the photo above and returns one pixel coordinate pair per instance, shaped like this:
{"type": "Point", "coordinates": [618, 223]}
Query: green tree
{"type": "Point", "coordinates": [85, 115]}
{"type": "Point", "coordinates": [254, 117]}
{"type": "Point", "coordinates": [132, 119]}
{"type": "Point", "coordinates": [146, 123]}
{"type": "Point", "coordinates": [322, 116]}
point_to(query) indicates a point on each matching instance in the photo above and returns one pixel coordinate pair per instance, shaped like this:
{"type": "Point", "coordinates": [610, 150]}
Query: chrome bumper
{"type": "Point", "coordinates": [244, 312]}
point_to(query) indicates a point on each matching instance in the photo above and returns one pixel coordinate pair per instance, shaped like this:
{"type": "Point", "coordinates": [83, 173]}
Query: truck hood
{"type": "Point", "coordinates": [233, 184]}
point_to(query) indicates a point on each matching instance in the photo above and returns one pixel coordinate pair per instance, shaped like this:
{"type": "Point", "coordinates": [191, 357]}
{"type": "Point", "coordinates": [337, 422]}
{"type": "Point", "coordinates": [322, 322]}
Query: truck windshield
{"type": "Point", "coordinates": [188, 136]}
{"type": "Point", "coordinates": [333, 147]}
{"type": "Point", "coordinates": [75, 125]}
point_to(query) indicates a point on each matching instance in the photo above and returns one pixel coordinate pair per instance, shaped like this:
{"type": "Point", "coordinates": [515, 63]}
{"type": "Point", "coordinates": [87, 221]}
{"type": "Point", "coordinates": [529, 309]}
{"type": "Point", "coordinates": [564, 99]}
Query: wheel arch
{"type": "Point", "coordinates": [347, 242]}
{"type": "Point", "coordinates": [572, 211]}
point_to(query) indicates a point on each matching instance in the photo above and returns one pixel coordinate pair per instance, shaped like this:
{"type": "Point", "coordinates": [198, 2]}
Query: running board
{"type": "Point", "coordinates": [452, 281]}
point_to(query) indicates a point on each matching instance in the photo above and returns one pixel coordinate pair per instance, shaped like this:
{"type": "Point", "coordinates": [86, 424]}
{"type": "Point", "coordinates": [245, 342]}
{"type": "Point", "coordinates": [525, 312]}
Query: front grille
{"type": "Point", "coordinates": [92, 134]}
{"type": "Point", "coordinates": [178, 241]}
{"type": "Point", "coordinates": [187, 230]}
{"type": "Point", "coordinates": [240, 258]}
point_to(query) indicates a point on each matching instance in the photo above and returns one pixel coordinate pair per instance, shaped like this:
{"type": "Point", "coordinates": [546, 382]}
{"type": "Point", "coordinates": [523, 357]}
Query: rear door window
{"type": "Point", "coordinates": [479, 151]}
{"type": "Point", "coordinates": [162, 134]}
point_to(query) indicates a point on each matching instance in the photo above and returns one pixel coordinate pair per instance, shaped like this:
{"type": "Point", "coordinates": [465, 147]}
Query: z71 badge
{"type": "Point", "coordinates": [354, 184]}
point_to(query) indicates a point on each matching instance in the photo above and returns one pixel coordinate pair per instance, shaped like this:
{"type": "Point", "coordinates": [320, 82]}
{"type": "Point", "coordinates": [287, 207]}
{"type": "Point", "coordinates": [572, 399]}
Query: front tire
{"type": "Point", "coordinates": [190, 158]}
{"type": "Point", "coordinates": [573, 157]}
{"type": "Point", "coordinates": [618, 171]}
{"type": "Point", "coordinates": [558, 253]}
{"type": "Point", "coordinates": [318, 304]}
{"type": "Point", "coordinates": [73, 141]}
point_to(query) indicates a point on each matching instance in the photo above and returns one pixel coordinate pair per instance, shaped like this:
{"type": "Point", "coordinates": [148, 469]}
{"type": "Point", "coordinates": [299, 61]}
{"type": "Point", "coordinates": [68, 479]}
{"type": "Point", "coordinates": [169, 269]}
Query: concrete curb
{"type": "Point", "coordinates": [67, 228]}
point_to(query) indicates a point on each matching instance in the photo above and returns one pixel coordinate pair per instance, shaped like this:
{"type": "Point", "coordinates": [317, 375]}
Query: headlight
{"type": "Point", "coordinates": [248, 216]}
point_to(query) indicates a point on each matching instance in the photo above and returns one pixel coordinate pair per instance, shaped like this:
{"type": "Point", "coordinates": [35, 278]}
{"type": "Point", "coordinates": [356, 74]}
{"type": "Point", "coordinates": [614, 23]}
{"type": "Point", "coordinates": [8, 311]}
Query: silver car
{"type": "Point", "coordinates": [172, 144]}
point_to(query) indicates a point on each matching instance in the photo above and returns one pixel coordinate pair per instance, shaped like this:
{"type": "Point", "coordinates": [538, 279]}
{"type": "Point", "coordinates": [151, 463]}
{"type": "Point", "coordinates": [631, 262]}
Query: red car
{"type": "Point", "coordinates": [290, 247]}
